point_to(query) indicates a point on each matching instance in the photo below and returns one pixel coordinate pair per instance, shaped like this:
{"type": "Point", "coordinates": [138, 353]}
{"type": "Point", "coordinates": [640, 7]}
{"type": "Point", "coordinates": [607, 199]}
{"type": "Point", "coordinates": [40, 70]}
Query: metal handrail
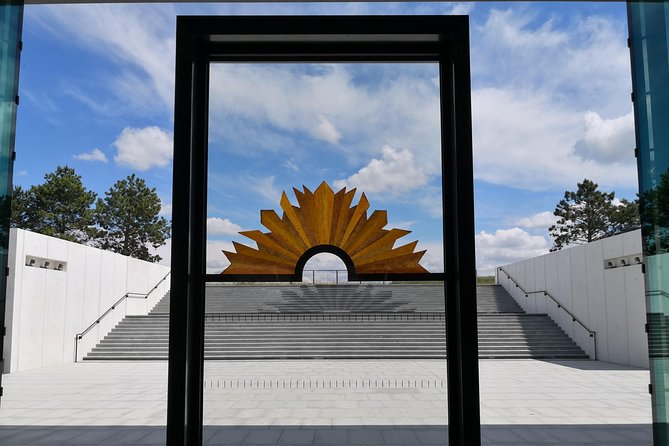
{"type": "Point", "coordinates": [79, 336]}
{"type": "Point", "coordinates": [313, 273]}
{"type": "Point", "coordinates": [336, 271]}
{"type": "Point", "coordinates": [546, 293]}
{"type": "Point", "coordinates": [324, 317]}
{"type": "Point", "coordinates": [660, 292]}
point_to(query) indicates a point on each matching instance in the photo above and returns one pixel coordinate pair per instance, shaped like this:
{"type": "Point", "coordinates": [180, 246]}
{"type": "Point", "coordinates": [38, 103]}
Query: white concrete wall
{"type": "Point", "coordinates": [609, 301]}
{"type": "Point", "coordinates": [47, 307]}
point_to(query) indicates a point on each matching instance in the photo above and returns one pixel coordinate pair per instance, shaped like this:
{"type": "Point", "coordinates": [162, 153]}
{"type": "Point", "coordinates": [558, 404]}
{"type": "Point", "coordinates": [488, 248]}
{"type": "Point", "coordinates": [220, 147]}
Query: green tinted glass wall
{"type": "Point", "coordinates": [11, 17]}
{"type": "Point", "coordinates": [649, 36]}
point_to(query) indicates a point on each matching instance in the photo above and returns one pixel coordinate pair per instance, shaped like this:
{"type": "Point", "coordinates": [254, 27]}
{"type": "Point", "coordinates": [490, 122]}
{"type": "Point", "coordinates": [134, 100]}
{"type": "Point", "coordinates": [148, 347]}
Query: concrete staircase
{"type": "Point", "coordinates": [340, 322]}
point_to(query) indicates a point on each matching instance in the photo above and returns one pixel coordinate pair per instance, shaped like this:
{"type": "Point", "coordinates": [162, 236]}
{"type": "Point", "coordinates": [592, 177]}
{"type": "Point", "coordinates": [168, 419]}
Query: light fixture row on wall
{"type": "Point", "coordinates": [619, 262]}
{"type": "Point", "coordinates": [51, 264]}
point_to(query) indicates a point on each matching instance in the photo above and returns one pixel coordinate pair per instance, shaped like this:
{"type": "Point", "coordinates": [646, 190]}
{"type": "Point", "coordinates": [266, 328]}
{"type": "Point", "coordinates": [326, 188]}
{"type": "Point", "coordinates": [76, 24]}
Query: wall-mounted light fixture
{"type": "Point", "coordinates": [45, 263]}
{"type": "Point", "coordinates": [623, 261]}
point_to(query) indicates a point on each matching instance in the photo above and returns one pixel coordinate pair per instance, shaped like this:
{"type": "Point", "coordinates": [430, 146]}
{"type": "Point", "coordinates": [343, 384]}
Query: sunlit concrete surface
{"type": "Point", "coordinates": [524, 402]}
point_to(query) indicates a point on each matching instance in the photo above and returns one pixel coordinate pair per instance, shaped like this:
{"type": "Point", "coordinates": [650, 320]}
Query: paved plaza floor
{"type": "Point", "coordinates": [523, 402]}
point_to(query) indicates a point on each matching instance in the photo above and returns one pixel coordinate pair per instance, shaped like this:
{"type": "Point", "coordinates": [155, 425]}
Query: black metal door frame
{"type": "Point", "coordinates": [203, 40]}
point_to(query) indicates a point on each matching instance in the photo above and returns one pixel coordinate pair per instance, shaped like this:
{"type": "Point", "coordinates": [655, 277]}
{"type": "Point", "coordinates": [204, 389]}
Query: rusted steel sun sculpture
{"type": "Point", "coordinates": [324, 221]}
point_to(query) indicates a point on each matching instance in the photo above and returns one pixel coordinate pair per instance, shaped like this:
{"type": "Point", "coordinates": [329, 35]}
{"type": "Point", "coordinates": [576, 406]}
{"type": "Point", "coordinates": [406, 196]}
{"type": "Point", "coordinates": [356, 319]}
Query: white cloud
{"type": "Point", "coordinates": [582, 62]}
{"type": "Point", "coordinates": [460, 8]}
{"type": "Point", "coordinates": [394, 173]}
{"type": "Point", "coordinates": [264, 187]}
{"type": "Point", "coordinates": [506, 246]}
{"type": "Point", "coordinates": [166, 210]}
{"type": "Point", "coordinates": [164, 251]}
{"type": "Point", "coordinates": [535, 79]}
{"type": "Point", "coordinates": [400, 108]}
{"type": "Point", "coordinates": [324, 261]}
{"type": "Point", "coordinates": [326, 131]}
{"type": "Point", "coordinates": [607, 140]}
{"type": "Point", "coordinates": [94, 155]}
{"type": "Point", "coordinates": [541, 220]}
{"type": "Point", "coordinates": [513, 30]}
{"type": "Point", "coordinates": [401, 224]}
{"type": "Point", "coordinates": [526, 140]}
{"type": "Point", "coordinates": [140, 39]}
{"type": "Point", "coordinates": [144, 148]}
{"type": "Point", "coordinates": [222, 226]}
{"type": "Point", "coordinates": [433, 259]}
{"type": "Point", "coordinates": [216, 261]}
{"type": "Point", "coordinates": [432, 202]}
{"type": "Point", "coordinates": [289, 164]}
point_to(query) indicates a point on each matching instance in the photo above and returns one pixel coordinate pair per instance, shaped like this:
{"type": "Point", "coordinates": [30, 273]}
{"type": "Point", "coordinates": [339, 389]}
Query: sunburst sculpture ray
{"type": "Point", "coordinates": [324, 217]}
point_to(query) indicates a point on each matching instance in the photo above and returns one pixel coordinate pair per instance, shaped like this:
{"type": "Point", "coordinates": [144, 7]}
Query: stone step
{"type": "Point", "coordinates": [338, 322]}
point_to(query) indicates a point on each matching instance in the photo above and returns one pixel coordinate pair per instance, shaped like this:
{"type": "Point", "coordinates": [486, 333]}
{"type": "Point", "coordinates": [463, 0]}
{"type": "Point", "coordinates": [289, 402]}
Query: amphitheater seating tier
{"type": "Point", "coordinates": [367, 321]}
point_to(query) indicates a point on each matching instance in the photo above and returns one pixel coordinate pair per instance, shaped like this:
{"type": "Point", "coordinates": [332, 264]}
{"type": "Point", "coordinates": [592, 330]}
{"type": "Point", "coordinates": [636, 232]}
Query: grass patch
{"type": "Point", "coordinates": [485, 280]}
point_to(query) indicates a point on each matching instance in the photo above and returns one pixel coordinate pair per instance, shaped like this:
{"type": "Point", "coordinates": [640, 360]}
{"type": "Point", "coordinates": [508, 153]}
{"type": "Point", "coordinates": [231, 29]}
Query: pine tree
{"type": "Point", "coordinates": [655, 210]}
{"type": "Point", "coordinates": [128, 219]}
{"type": "Point", "coordinates": [588, 214]}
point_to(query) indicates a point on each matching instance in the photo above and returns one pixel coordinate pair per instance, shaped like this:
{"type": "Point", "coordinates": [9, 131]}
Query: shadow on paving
{"type": "Point", "coordinates": [535, 435]}
{"type": "Point", "coordinates": [587, 364]}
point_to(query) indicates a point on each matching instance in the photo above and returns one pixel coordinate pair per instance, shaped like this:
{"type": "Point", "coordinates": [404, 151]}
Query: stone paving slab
{"type": "Point", "coordinates": [526, 435]}
{"type": "Point", "coordinates": [523, 402]}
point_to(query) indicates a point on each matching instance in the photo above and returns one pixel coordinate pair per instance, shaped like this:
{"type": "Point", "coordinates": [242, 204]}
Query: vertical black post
{"type": "Point", "coordinates": [176, 378]}
{"type": "Point", "coordinates": [185, 378]}
{"type": "Point", "coordinates": [11, 26]}
{"type": "Point", "coordinates": [459, 255]}
{"type": "Point", "coordinates": [197, 250]}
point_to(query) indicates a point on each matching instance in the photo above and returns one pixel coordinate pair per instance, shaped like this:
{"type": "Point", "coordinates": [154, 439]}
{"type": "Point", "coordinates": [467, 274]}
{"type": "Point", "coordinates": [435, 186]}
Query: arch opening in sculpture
{"type": "Point", "coordinates": [325, 221]}
{"type": "Point", "coordinates": [320, 249]}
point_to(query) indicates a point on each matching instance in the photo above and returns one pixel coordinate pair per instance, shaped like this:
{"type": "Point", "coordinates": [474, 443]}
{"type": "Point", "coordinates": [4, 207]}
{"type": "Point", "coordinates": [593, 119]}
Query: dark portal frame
{"type": "Point", "coordinates": [202, 40]}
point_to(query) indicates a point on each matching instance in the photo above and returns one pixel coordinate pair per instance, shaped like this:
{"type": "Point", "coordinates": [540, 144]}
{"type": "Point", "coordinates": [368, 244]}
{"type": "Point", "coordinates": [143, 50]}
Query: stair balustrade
{"type": "Point", "coordinates": [592, 334]}
{"type": "Point", "coordinates": [340, 276]}
{"type": "Point", "coordinates": [129, 295]}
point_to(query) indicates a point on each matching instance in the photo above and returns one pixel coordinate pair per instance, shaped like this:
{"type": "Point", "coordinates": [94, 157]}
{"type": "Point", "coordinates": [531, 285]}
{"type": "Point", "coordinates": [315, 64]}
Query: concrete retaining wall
{"type": "Point", "coordinates": [602, 284]}
{"type": "Point", "coordinates": [48, 303]}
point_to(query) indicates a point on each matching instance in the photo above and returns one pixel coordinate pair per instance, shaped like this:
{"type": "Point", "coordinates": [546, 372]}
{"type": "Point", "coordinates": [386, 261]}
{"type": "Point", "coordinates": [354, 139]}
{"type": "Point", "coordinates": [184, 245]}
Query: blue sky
{"type": "Point", "coordinates": [550, 97]}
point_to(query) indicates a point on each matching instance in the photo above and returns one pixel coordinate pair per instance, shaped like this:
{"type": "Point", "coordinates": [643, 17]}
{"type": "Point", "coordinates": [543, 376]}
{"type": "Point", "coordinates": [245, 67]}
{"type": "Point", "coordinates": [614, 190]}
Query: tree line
{"type": "Point", "coordinates": [126, 220]}
{"type": "Point", "coordinates": [588, 214]}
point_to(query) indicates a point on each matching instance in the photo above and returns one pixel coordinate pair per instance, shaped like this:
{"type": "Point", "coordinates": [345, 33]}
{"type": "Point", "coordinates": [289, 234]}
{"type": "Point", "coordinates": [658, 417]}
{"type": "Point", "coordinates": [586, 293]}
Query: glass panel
{"type": "Point", "coordinates": [649, 28]}
{"type": "Point", "coordinates": [11, 19]}
{"type": "Point", "coordinates": [275, 127]}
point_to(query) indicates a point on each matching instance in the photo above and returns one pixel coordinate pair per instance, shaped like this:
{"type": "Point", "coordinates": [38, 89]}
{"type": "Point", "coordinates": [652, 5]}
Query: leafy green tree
{"type": "Point", "coordinates": [60, 207]}
{"type": "Point", "coordinates": [589, 214]}
{"type": "Point", "coordinates": [128, 219]}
